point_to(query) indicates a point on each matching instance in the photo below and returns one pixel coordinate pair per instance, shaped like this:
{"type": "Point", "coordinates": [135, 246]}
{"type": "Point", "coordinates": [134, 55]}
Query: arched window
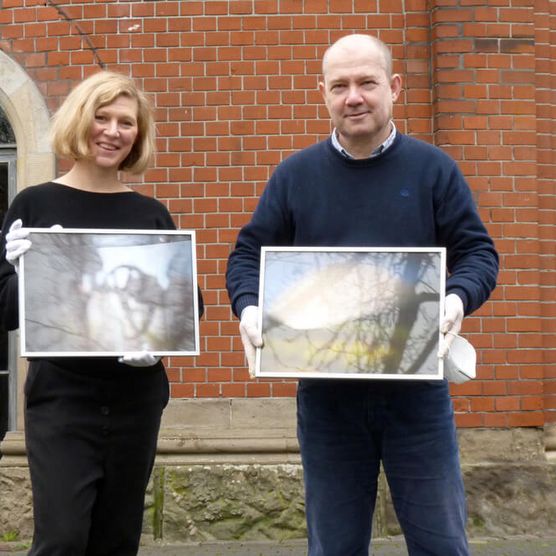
{"type": "Point", "coordinates": [8, 392]}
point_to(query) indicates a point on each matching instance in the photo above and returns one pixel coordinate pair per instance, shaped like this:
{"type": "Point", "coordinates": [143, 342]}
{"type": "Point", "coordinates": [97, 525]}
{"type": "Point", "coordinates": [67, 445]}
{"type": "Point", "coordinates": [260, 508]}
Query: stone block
{"type": "Point", "coordinates": [518, 445]}
{"type": "Point", "coordinates": [517, 499]}
{"type": "Point", "coordinates": [184, 414]}
{"type": "Point", "coordinates": [276, 413]}
{"type": "Point", "coordinates": [16, 504]}
{"type": "Point", "coordinates": [225, 502]}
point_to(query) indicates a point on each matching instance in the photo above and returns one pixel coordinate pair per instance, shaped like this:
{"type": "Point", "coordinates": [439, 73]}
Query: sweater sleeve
{"type": "Point", "coordinates": [472, 260]}
{"type": "Point", "coordinates": [270, 225]}
{"type": "Point", "coordinates": [9, 314]}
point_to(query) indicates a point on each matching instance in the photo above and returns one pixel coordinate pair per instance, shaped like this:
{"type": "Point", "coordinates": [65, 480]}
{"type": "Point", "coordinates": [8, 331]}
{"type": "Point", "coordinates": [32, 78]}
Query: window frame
{"type": "Point", "coordinates": [8, 156]}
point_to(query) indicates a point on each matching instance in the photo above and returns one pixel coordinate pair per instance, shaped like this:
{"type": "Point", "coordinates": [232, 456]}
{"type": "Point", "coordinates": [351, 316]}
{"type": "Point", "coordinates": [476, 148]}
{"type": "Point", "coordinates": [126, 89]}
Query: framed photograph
{"type": "Point", "coordinates": [362, 313]}
{"type": "Point", "coordinates": [87, 292]}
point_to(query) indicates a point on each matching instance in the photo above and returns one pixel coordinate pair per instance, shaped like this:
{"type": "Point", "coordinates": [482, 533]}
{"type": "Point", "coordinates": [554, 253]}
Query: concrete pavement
{"type": "Point", "coordinates": [381, 547]}
{"type": "Point", "coordinates": [513, 546]}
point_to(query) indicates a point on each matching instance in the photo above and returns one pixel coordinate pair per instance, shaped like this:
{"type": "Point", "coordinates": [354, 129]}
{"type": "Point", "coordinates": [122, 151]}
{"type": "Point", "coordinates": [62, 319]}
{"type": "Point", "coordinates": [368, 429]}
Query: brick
{"type": "Point", "coordinates": [531, 404]}
{"type": "Point", "coordinates": [492, 420]}
{"type": "Point", "coordinates": [234, 390]}
{"type": "Point", "coordinates": [207, 390]}
{"type": "Point", "coordinates": [528, 387]}
{"type": "Point", "coordinates": [529, 419]}
{"type": "Point", "coordinates": [471, 420]}
{"type": "Point", "coordinates": [494, 389]}
{"type": "Point", "coordinates": [505, 372]}
{"type": "Point", "coordinates": [181, 390]}
{"type": "Point", "coordinates": [507, 403]}
{"type": "Point", "coordinates": [484, 404]}
{"type": "Point", "coordinates": [12, 4]}
{"type": "Point", "coordinates": [284, 389]}
{"type": "Point", "coordinates": [191, 375]}
{"type": "Point", "coordinates": [258, 390]}
{"type": "Point", "coordinates": [219, 375]}
{"type": "Point", "coordinates": [517, 15]}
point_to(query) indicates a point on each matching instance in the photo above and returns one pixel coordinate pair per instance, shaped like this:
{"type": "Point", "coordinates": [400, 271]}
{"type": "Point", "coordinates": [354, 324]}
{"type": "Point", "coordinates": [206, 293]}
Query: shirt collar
{"type": "Point", "coordinates": [378, 151]}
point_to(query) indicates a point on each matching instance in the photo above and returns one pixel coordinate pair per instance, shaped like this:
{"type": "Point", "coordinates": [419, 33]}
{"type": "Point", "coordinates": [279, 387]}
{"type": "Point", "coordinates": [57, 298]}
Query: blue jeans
{"type": "Point", "coordinates": [346, 429]}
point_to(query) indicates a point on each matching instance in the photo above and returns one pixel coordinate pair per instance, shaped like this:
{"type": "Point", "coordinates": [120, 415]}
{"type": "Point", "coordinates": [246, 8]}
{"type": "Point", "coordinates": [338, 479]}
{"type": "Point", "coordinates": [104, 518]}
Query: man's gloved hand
{"type": "Point", "coordinates": [139, 359]}
{"type": "Point", "coordinates": [250, 335]}
{"type": "Point", "coordinates": [451, 324]}
{"type": "Point", "coordinates": [16, 243]}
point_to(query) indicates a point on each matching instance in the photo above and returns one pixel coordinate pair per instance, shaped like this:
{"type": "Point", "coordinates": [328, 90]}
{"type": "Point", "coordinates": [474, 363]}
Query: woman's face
{"type": "Point", "coordinates": [113, 132]}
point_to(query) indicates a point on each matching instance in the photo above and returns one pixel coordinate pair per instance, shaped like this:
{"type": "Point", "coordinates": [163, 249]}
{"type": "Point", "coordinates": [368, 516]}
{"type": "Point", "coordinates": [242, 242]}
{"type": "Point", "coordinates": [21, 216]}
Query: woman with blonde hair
{"type": "Point", "coordinates": [91, 424]}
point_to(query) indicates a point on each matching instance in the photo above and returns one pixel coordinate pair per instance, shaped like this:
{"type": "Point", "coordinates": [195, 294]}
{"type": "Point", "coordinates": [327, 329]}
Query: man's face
{"type": "Point", "coordinates": [359, 94]}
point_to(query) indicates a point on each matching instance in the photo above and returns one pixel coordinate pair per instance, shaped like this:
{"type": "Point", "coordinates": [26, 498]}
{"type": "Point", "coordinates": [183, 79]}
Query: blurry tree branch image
{"type": "Point", "coordinates": [369, 313]}
{"type": "Point", "coordinates": [109, 293]}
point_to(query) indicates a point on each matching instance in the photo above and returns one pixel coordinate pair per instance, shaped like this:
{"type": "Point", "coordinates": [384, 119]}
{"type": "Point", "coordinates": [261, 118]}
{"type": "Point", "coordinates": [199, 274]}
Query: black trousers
{"type": "Point", "coordinates": [91, 442]}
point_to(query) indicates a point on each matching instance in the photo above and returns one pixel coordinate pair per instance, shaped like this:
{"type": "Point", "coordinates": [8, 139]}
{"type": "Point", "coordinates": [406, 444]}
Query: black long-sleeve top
{"type": "Point", "coordinates": [44, 205]}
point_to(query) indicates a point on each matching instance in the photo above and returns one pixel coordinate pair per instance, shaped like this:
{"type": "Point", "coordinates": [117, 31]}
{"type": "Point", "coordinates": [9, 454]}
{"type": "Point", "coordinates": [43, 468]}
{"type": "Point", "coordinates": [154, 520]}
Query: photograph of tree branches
{"type": "Point", "coordinates": [108, 292]}
{"type": "Point", "coordinates": [351, 313]}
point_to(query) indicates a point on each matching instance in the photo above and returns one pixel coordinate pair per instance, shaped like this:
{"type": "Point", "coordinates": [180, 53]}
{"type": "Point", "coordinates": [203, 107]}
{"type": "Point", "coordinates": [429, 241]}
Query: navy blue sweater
{"type": "Point", "coordinates": [413, 195]}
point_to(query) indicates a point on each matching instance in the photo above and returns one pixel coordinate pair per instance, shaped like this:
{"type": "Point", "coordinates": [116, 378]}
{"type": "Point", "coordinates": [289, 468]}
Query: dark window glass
{"type": "Point", "coordinates": [3, 209]}
{"type": "Point", "coordinates": [4, 378]}
{"type": "Point", "coordinates": [4, 405]}
{"type": "Point", "coordinates": [6, 131]}
{"type": "Point", "coordinates": [3, 191]}
{"type": "Point", "coordinates": [3, 350]}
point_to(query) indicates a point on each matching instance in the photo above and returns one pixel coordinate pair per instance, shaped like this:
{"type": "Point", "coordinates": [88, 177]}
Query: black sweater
{"type": "Point", "coordinates": [44, 205]}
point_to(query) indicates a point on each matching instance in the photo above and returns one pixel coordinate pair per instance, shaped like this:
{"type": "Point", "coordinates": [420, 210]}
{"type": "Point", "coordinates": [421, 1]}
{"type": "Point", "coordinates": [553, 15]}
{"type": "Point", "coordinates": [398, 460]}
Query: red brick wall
{"type": "Point", "coordinates": [545, 144]}
{"type": "Point", "coordinates": [484, 113]}
{"type": "Point", "coordinates": [234, 85]}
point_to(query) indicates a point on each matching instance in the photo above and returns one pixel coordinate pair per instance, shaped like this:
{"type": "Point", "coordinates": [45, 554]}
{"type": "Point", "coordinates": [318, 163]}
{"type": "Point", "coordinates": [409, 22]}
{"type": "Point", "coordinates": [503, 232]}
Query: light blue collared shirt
{"type": "Point", "coordinates": [379, 150]}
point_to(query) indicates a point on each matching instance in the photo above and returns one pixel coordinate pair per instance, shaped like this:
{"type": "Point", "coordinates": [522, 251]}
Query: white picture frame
{"type": "Point", "coordinates": [106, 292]}
{"type": "Point", "coordinates": [351, 313]}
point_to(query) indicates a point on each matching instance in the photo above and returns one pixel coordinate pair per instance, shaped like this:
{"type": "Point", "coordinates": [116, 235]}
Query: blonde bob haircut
{"type": "Point", "coordinates": [72, 122]}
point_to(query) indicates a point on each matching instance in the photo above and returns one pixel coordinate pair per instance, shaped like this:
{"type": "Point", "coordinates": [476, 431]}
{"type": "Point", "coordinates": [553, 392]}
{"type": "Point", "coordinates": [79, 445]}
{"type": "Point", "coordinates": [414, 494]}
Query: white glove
{"type": "Point", "coordinates": [16, 243]}
{"type": "Point", "coordinates": [250, 335]}
{"type": "Point", "coordinates": [451, 324]}
{"type": "Point", "coordinates": [139, 359]}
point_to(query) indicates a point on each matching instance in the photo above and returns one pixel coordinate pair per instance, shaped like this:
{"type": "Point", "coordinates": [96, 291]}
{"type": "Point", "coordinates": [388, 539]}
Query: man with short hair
{"type": "Point", "coordinates": [370, 185]}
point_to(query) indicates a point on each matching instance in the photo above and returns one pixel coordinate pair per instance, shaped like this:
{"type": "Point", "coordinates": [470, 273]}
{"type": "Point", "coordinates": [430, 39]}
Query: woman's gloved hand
{"type": "Point", "coordinates": [139, 359]}
{"type": "Point", "coordinates": [17, 243]}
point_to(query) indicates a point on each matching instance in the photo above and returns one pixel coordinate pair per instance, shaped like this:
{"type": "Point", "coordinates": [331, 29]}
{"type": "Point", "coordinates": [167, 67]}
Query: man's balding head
{"type": "Point", "coordinates": [356, 43]}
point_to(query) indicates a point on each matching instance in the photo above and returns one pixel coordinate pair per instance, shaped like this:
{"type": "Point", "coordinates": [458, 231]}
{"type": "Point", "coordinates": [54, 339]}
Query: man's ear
{"type": "Point", "coordinates": [396, 86]}
{"type": "Point", "coordinates": [321, 88]}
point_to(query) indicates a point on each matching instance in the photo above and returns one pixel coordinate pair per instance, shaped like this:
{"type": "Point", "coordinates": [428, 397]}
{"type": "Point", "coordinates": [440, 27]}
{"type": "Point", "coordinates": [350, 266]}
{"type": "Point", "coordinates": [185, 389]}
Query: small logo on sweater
{"type": "Point", "coordinates": [404, 192]}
